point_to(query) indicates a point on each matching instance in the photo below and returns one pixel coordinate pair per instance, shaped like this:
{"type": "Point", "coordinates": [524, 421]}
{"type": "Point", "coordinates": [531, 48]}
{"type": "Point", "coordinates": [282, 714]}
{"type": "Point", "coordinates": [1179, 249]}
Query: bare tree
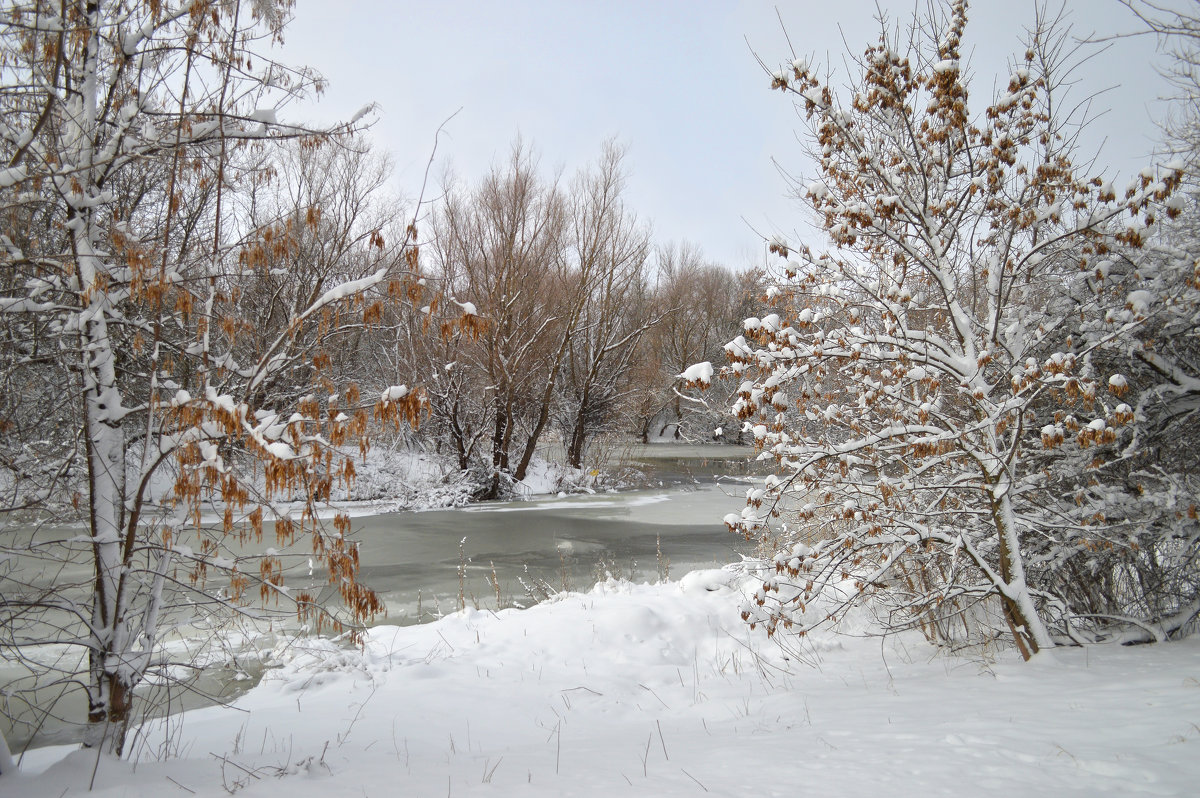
{"type": "Point", "coordinates": [136, 403]}
{"type": "Point", "coordinates": [610, 248]}
{"type": "Point", "coordinates": [701, 301]}
{"type": "Point", "coordinates": [500, 247]}
{"type": "Point", "coordinates": [1177, 27]}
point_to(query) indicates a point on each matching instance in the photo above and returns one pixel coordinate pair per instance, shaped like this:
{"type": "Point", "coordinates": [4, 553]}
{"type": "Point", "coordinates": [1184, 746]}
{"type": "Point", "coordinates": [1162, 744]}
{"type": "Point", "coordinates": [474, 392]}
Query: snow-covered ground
{"type": "Point", "coordinates": [395, 478]}
{"type": "Point", "coordinates": [661, 690]}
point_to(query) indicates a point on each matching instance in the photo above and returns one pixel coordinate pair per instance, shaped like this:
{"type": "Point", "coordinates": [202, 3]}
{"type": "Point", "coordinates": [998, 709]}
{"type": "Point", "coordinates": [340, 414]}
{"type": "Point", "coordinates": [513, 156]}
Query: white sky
{"type": "Point", "coordinates": [675, 80]}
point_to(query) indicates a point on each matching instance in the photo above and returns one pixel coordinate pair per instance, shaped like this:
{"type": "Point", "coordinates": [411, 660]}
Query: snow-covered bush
{"type": "Point", "coordinates": [159, 318]}
{"type": "Point", "coordinates": [1130, 487]}
{"type": "Point", "coordinates": [913, 383]}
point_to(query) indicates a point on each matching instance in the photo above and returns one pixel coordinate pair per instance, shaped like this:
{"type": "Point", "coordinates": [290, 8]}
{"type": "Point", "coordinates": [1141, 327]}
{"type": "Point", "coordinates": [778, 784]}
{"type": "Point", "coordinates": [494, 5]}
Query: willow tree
{"type": "Point", "coordinates": [909, 381]}
{"type": "Point", "coordinates": [134, 403]}
{"type": "Point", "coordinates": [609, 248]}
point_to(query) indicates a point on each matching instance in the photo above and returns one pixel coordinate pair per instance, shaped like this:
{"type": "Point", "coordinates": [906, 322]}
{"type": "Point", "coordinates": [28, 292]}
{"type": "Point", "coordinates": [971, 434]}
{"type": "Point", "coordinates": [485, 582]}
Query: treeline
{"type": "Point", "coordinates": [547, 315]}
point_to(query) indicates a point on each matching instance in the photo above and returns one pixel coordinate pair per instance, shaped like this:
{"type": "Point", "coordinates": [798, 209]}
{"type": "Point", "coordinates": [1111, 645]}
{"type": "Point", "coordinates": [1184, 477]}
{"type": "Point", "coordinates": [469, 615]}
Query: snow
{"type": "Point", "coordinates": [265, 115]}
{"type": "Point", "coordinates": [1139, 302]}
{"type": "Point", "coordinates": [698, 373]}
{"type": "Point", "coordinates": [392, 479]}
{"type": "Point", "coordinates": [361, 112]}
{"type": "Point", "coordinates": [12, 175]}
{"type": "Point", "coordinates": [393, 393]}
{"type": "Point", "coordinates": [220, 401]}
{"type": "Point", "coordinates": [620, 507]}
{"type": "Point", "coordinates": [662, 690]}
{"type": "Point", "coordinates": [22, 304]}
{"type": "Point", "coordinates": [280, 450]}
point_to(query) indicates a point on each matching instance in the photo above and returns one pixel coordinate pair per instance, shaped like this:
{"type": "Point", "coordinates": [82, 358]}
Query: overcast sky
{"type": "Point", "coordinates": [677, 82]}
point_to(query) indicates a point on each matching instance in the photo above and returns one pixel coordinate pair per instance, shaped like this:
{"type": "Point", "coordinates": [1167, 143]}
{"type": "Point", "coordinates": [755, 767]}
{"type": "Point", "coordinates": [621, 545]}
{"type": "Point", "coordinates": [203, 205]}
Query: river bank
{"type": "Point", "coordinates": [429, 564]}
{"type": "Point", "coordinates": [662, 690]}
{"type": "Point", "coordinates": [394, 479]}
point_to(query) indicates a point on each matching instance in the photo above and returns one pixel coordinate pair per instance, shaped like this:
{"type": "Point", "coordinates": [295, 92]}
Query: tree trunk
{"type": "Point", "coordinates": [109, 694]}
{"type": "Point", "coordinates": [579, 438]}
{"type": "Point", "coordinates": [499, 438]}
{"type": "Point", "coordinates": [460, 440]}
{"type": "Point", "coordinates": [547, 397]}
{"type": "Point", "coordinates": [500, 435]}
{"type": "Point", "coordinates": [535, 434]}
{"type": "Point", "coordinates": [109, 716]}
{"type": "Point", "coordinates": [531, 443]}
{"type": "Point", "coordinates": [1020, 610]}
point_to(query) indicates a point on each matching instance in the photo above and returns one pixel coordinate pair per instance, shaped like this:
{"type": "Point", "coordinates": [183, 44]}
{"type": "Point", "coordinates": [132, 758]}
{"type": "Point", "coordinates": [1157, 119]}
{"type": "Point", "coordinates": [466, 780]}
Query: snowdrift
{"type": "Point", "coordinates": [662, 690]}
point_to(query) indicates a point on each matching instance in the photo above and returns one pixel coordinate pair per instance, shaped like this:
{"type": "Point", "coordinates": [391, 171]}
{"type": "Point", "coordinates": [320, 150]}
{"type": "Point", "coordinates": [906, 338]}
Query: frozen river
{"type": "Point", "coordinates": [425, 564]}
{"type": "Point", "coordinates": [414, 560]}
{"type": "Point", "coordinates": [420, 562]}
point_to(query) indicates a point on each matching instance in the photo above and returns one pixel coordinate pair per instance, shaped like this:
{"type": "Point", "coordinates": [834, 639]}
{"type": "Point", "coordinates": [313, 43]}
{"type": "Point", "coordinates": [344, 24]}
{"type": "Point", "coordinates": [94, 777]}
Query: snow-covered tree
{"type": "Point", "coordinates": [609, 247]}
{"type": "Point", "coordinates": [1132, 572]}
{"type": "Point", "coordinates": [701, 300]}
{"type": "Point", "coordinates": [911, 382]}
{"type": "Point", "coordinates": [150, 393]}
{"type": "Point", "coordinates": [1137, 575]}
{"type": "Point", "coordinates": [500, 247]}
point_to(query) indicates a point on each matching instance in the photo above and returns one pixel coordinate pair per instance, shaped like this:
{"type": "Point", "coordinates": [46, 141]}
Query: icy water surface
{"type": "Point", "coordinates": [496, 555]}
{"type": "Point", "coordinates": [429, 563]}
{"type": "Point", "coordinates": [421, 562]}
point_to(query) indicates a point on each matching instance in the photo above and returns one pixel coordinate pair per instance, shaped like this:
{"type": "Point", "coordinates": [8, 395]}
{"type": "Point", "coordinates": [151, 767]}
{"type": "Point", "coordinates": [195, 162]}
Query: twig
{"type": "Point", "coordinates": [229, 761]}
{"type": "Point", "coordinates": [647, 689]}
{"type": "Point", "coordinates": [693, 778]}
{"type": "Point", "coordinates": [462, 573]}
{"type": "Point", "coordinates": [495, 583]}
{"type": "Point", "coordinates": [180, 786]}
{"type": "Point", "coordinates": [361, 706]}
{"type": "Point", "coordinates": [581, 687]}
{"type": "Point", "coordinates": [487, 774]}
